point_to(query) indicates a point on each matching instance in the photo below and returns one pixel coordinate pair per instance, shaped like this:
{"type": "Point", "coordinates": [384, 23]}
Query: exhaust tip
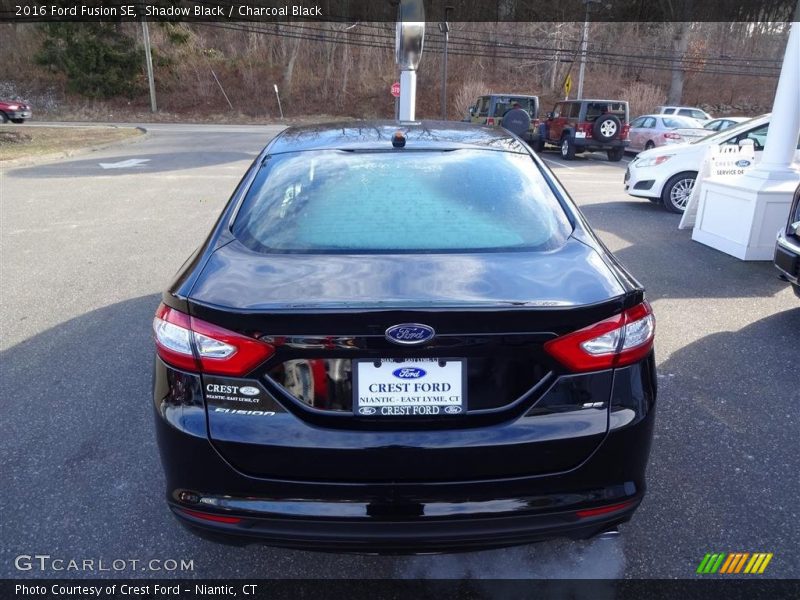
{"type": "Point", "coordinates": [609, 534]}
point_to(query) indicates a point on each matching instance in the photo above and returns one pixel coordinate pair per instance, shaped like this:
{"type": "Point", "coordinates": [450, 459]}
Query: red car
{"type": "Point", "coordinates": [16, 112]}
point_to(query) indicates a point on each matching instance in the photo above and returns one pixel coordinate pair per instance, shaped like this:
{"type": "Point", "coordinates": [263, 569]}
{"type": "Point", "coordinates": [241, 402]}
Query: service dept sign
{"type": "Point", "coordinates": [417, 387]}
{"type": "Point", "coordinates": [730, 159]}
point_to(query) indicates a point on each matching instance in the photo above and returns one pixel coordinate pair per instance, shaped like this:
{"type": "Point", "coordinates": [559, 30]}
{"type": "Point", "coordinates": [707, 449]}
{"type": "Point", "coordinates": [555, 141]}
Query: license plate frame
{"type": "Point", "coordinates": [437, 370]}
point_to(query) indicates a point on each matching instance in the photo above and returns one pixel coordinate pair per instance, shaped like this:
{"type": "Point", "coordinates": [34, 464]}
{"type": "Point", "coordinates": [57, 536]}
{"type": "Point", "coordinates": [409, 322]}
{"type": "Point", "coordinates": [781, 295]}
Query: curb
{"type": "Point", "coordinates": [55, 156]}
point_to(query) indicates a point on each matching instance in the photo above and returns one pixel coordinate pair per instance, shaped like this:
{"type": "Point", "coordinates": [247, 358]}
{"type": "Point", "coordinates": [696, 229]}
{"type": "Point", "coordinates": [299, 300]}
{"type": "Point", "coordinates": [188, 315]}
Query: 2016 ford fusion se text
{"type": "Point", "coordinates": [403, 337]}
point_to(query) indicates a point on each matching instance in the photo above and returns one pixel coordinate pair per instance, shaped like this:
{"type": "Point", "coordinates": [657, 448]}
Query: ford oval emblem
{"type": "Point", "coordinates": [249, 391]}
{"type": "Point", "coordinates": [743, 163]}
{"type": "Point", "coordinates": [409, 334]}
{"type": "Point", "coordinates": [452, 410]}
{"type": "Point", "coordinates": [367, 410]}
{"type": "Point", "coordinates": [409, 373]}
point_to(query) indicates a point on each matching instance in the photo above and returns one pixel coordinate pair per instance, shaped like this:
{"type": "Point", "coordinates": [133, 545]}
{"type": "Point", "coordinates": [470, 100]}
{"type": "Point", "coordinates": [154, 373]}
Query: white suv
{"type": "Point", "coordinates": [685, 111]}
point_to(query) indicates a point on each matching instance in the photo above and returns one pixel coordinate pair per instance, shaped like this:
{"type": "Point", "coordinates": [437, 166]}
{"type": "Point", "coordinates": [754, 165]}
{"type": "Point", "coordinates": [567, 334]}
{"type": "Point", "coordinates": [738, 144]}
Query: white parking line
{"type": "Point", "coordinates": [556, 163]}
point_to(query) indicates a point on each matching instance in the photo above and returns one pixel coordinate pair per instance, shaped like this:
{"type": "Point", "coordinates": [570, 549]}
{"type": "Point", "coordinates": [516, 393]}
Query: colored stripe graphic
{"type": "Point", "coordinates": [734, 562]}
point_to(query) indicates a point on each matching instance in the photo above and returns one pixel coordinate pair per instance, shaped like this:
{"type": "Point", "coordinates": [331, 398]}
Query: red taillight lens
{"type": "Point", "coordinates": [194, 345]}
{"type": "Point", "coordinates": [615, 342]}
{"type": "Point", "coordinates": [672, 136]}
{"type": "Point", "coordinates": [625, 130]}
{"type": "Point", "coordinates": [490, 121]}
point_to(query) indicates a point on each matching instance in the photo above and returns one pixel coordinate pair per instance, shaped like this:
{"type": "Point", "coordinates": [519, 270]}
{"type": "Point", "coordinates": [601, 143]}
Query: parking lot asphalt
{"type": "Point", "coordinates": [86, 250]}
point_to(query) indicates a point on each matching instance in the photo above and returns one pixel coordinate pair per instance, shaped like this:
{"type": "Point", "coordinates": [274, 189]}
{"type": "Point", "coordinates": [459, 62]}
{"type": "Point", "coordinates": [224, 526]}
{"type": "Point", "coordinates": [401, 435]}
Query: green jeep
{"type": "Point", "coordinates": [490, 110]}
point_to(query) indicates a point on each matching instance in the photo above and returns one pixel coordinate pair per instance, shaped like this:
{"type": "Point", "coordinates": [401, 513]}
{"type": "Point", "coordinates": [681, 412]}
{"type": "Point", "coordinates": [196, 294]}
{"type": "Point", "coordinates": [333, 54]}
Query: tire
{"type": "Point", "coordinates": [3, 117]}
{"type": "Point", "coordinates": [517, 121]}
{"type": "Point", "coordinates": [615, 154]}
{"type": "Point", "coordinates": [538, 145]}
{"type": "Point", "coordinates": [677, 190]}
{"type": "Point", "coordinates": [606, 128]}
{"type": "Point", "coordinates": [567, 148]}
{"type": "Point", "coordinates": [649, 145]}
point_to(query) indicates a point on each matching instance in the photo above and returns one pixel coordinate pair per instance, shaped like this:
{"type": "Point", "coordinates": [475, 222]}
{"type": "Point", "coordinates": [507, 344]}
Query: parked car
{"type": "Point", "coordinates": [685, 111]}
{"type": "Point", "coordinates": [576, 126]}
{"type": "Point", "coordinates": [490, 110]}
{"type": "Point", "coordinates": [494, 373]}
{"type": "Point", "coordinates": [667, 174]}
{"type": "Point", "coordinates": [651, 131]}
{"type": "Point", "coordinates": [787, 249]}
{"type": "Point", "coordinates": [710, 127]}
{"type": "Point", "coordinates": [16, 112]}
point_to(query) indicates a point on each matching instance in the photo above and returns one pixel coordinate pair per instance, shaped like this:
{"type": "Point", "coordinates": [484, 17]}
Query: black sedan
{"type": "Point", "coordinates": [403, 337]}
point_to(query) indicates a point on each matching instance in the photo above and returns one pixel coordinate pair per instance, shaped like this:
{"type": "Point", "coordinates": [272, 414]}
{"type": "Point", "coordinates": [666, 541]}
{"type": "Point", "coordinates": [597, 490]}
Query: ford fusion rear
{"type": "Point", "coordinates": [402, 341]}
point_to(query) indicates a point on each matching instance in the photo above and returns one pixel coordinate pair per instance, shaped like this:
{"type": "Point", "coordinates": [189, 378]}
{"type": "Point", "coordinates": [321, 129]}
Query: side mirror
{"type": "Point", "coordinates": [472, 110]}
{"type": "Point", "coordinates": [551, 115]}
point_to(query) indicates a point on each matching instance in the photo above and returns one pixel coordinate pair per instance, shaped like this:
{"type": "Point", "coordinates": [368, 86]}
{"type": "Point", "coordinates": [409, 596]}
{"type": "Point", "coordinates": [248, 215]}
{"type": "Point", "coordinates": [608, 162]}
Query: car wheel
{"type": "Point", "coordinates": [649, 145]}
{"type": "Point", "coordinates": [796, 290]}
{"type": "Point", "coordinates": [615, 154]}
{"type": "Point", "coordinates": [538, 145]}
{"type": "Point", "coordinates": [3, 117]}
{"type": "Point", "coordinates": [567, 148]}
{"type": "Point", "coordinates": [677, 190]}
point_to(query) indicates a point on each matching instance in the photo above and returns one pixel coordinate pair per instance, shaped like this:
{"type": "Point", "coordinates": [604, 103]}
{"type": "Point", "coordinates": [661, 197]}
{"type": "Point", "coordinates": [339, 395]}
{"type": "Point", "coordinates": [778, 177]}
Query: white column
{"type": "Point", "coordinates": [782, 136]}
{"type": "Point", "coordinates": [408, 95]}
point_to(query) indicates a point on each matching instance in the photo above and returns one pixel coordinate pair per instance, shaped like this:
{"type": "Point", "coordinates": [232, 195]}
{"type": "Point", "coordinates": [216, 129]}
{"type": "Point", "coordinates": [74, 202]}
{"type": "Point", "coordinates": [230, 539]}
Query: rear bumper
{"type": "Point", "coordinates": [404, 535]}
{"type": "Point", "coordinates": [410, 517]}
{"type": "Point", "coordinates": [593, 145]}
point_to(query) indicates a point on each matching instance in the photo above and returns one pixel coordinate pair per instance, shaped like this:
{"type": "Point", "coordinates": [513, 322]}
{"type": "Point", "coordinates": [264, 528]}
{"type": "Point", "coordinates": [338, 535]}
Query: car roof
{"type": "Point", "coordinates": [595, 100]}
{"type": "Point", "coordinates": [377, 135]}
{"type": "Point", "coordinates": [515, 95]}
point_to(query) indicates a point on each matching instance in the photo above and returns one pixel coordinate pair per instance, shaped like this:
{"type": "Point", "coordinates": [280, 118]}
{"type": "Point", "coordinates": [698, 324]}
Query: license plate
{"type": "Point", "coordinates": [420, 387]}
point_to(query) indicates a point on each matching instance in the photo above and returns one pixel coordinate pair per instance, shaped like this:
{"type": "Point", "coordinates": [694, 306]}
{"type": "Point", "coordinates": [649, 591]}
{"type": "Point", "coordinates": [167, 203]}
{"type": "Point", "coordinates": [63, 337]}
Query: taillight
{"type": "Point", "coordinates": [585, 128]}
{"type": "Point", "coordinates": [625, 130]}
{"type": "Point", "coordinates": [192, 344]}
{"type": "Point", "coordinates": [615, 342]}
{"type": "Point", "coordinates": [490, 121]}
{"type": "Point", "coordinates": [672, 136]}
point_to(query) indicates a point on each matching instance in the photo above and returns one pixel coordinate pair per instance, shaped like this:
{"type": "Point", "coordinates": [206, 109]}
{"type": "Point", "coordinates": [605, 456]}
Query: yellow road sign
{"type": "Point", "coordinates": [567, 84]}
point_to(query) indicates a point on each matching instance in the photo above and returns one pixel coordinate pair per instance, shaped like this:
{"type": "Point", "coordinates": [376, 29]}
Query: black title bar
{"type": "Point", "coordinates": [386, 10]}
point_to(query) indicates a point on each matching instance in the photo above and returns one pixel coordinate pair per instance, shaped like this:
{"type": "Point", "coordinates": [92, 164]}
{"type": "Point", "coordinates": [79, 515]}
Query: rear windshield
{"type": "Point", "coordinates": [333, 201]}
{"type": "Point", "coordinates": [598, 109]}
{"type": "Point", "coordinates": [681, 122]}
{"type": "Point", "coordinates": [506, 103]}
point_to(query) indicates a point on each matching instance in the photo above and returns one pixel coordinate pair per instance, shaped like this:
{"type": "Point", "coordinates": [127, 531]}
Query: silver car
{"type": "Point", "coordinates": [651, 131]}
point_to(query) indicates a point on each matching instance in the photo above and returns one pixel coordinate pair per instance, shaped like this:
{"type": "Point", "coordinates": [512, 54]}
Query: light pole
{"type": "Point", "coordinates": [444, 27]}
{"type": "Point", "coordinates": [584, 44]}
{"type": "Point", "coordinates": [409, 37]}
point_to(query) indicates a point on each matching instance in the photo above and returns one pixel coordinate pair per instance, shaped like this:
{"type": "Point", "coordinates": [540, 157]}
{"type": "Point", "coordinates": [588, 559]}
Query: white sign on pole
{"type": "Point", "coordinates": [720, 162]}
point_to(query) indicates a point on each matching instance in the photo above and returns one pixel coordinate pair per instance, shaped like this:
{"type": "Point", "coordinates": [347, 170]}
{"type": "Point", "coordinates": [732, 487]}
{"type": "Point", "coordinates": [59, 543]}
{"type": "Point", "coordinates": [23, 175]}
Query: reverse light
{"type": "Point", "coordinates": [194, 345]}
{"type": "Point", "coordinates": [615, 342]}
{"type": "Point", "coordinates": [653, 162]}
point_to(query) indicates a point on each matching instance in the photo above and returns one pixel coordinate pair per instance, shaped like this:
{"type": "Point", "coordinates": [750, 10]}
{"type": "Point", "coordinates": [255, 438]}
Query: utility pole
{"type": "Point", "coordinates": [445, 29]}
{"type": "Point", "coordinates": [149, 62]}
{"type": "Point", "coordinates": [584, 46]}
